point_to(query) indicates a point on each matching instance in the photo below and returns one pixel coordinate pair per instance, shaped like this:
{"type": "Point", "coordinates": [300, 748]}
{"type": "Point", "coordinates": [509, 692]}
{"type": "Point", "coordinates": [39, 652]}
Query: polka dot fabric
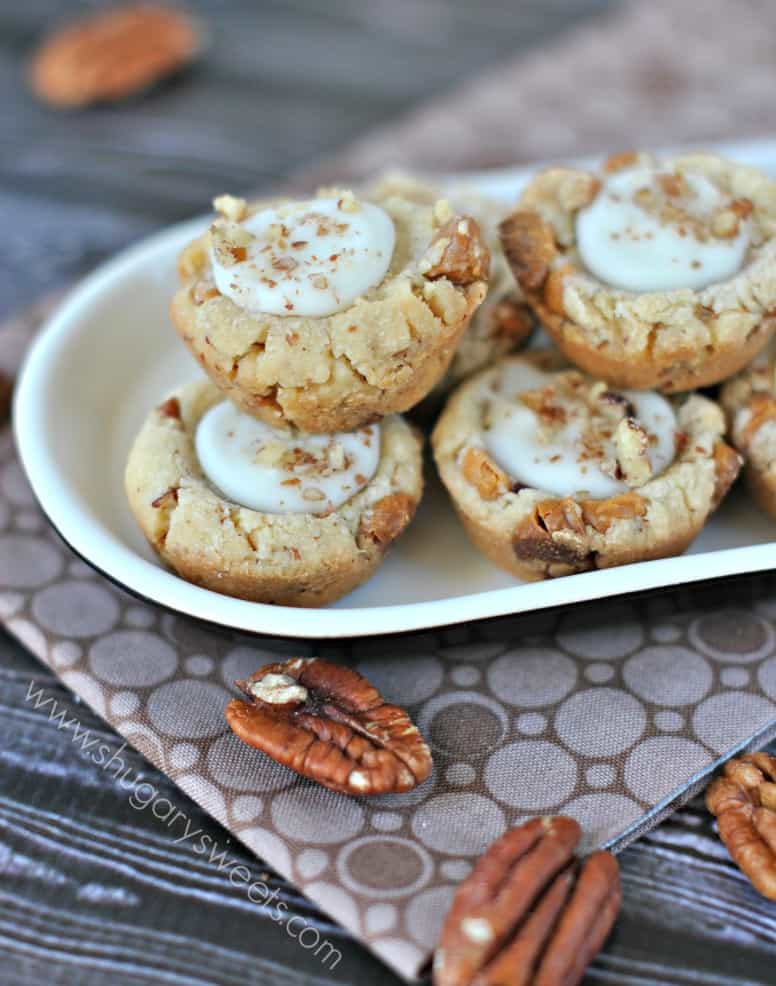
{"type": "Point", "coordinates": [607, 712]}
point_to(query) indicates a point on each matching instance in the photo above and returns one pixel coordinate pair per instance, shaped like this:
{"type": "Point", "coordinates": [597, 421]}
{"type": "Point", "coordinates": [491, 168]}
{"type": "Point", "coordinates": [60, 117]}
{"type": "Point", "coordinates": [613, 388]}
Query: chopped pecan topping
{"type": "Point", "coordinates": [725, 223]}
{"type": "Point", "coordinates": [481, 471]}
{"type": "Point", "coordinates": [388, 518]}
{"type": "Point", "coordinates": [672, 185]}
{"type": "Point", "coordinates": [457, 252]}
{"type": "Point", "coordinates": [348, 202]}
{"type": "Point", "coordinates": [632, 443]}
{"type": "Point", "coordinates": [204, 289]}
{"type": "Point", "coordinates": [230, 207]}
{"type": "Point", "coordinates": [329, 724]}
{"type": "Point", "coordinates": [744, 800]}
{"type": "Point", "coordinates": [113, 54]}
{"type": "Point", "coordinates": [529, 246]}
{"type": "Point", "coordinates": [609, 403]}
{"type": "Point", "coordinates": [230, 243]}
{"type": "Point", "coordinates": [171, 408]}
{"type": "Point", "coordinates": [620, 161]}
{"type": "Point", "coordinates": [443, 213]}
{"type": "Point", "coordinates": [528, 915]}
{"type": "Point", "coordinates": [742, 207]}
{"type": "Point", "coordinates": [577, 190]}
{"type": "Point", "coordinates": [313, 494]}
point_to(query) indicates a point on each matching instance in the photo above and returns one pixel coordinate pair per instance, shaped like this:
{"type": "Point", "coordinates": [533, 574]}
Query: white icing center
{"type": "Point", "coordinates": [637, 240]}
{"type": "Point", "coordinates": [308, 258]}
{"type": "Point", "coordinates": [568, 463]}
{"type": "Point", "coordinates": [282, 472]}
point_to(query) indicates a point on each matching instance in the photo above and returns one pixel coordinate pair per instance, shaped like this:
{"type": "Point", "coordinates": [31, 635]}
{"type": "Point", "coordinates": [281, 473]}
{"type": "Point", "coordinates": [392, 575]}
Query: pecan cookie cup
{"type": "Point", "coordinates": [749, 400]}
{"type": "Point", "coordinates": [552, 472]}
{"type": "Point", "coordinates": [310, 549]}
{"type": "Point", "coordinates": [330, 313]}
{"type": "Point", "coordinates": [650, 275]}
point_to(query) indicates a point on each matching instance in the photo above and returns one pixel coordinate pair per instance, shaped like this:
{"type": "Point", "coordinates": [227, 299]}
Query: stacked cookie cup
{"type": "Point", "coordinates": [285, 476]}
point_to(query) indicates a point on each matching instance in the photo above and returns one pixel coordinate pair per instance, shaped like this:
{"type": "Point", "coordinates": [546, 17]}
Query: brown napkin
{"type": "Point", "coordinates": [609, 712]}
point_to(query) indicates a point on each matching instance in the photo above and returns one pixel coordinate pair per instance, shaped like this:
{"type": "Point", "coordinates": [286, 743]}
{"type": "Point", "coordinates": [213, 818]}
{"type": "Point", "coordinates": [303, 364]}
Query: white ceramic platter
{"type": "Point", "coordinates": [109, 354]}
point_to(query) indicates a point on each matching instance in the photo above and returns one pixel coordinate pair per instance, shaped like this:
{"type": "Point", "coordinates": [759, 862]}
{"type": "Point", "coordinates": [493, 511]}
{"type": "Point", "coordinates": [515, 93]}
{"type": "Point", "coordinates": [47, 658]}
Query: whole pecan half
{"type": "Point", "coordinates": [328, 723]}
{"type": "Point", "coordinates": [113, 54]}
{"type": "Point", "coordinates": [744, 800]}
{"type": "Point", "coordinates": [528, 914]}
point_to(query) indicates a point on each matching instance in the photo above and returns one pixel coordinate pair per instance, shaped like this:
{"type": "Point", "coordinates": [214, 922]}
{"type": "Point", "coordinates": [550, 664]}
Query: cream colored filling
{"type": "Point", "coordinates": [310, 258]}
{"type": "Point", "coordinates": [278, 471]}
{"type": "Point", "coordinates": [576, 443]}
{"type": "Point", "coordinates": [652, 231]}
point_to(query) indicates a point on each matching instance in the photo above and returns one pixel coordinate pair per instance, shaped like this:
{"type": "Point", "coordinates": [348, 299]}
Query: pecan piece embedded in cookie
{"type": "Point", "coordinates": [387, 519]}
{"type": "Point", "coordinates": [553, 472]}
{"type": "Point", "coordinates": [744, 800]}
{"type": "Point", "coordinates": [481, 471]}
{"type": "Point", "coordinates": [529, 914]}
{"type": "Point", "coordinates": [529, 246]}
{"type": "Point", "coordinates": [328, 723]}
{"type": "Point", "coordinates": [458, 253]}
{"type": "Point", "coordinates": [650, 274]}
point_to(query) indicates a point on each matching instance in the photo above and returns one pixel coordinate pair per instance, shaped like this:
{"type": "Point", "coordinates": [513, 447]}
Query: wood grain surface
{"type": "Point", "coordinates": [92, 889]}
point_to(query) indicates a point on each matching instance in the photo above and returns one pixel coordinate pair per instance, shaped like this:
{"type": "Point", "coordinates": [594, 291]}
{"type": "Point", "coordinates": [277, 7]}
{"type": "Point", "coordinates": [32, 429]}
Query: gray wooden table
{"type": "Point", "coordinates": [91, 889]}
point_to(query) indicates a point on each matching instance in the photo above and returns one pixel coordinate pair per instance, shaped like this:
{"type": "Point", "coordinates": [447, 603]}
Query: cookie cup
{"type": "Point", "coordinates": [288, 559]}
{"type": "Point", "coordinates": [382, 354]}
{"type": "Point", "coordinates": [667, 340]}
{"type": "Point", "coordinates": [535, 535]}
{"type": "Point", "coordinates": [749, 400]}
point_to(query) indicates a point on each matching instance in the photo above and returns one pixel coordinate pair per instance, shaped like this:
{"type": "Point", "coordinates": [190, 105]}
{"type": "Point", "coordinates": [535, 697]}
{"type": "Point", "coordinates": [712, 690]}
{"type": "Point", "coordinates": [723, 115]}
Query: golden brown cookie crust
{"type": "Point", "coordinates": [287, 559]}
{"type": "Point", "coordinates": [535, 535]}
{"type": "Point", "coordinates": [749, 400]}
{"type": "Point", "coordinates": [381, 355]}
{"type": "Point", "coordinates": [667, 340]}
